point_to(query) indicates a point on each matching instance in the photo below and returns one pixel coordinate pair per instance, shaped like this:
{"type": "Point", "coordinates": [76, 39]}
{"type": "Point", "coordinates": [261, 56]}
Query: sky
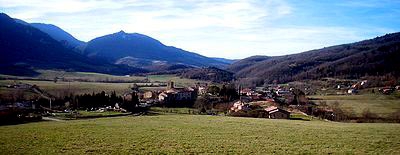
{"type": "Point", "coordinates": [232, 29]}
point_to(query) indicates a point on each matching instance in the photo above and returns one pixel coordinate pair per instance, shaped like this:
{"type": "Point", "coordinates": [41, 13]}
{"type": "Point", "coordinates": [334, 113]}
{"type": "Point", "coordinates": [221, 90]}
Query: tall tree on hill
{"type": "Point", "coordinates": [132, 104]}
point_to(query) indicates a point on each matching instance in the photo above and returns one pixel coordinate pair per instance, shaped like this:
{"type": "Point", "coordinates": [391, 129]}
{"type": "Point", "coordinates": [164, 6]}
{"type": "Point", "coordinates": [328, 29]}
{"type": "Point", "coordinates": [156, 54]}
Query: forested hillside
{"type": "Point", "coordinates": [375, 57]}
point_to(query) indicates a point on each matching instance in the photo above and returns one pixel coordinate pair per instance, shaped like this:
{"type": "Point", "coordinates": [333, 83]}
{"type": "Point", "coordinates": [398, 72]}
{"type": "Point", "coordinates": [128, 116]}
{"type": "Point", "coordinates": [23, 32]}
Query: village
{"type": "Point", "coordinates": [271, 101]}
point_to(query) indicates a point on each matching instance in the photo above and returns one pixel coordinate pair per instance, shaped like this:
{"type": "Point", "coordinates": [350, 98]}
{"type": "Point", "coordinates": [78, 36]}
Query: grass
{"type": "Point", "coordinates": [92, 77]}
{"type": "Point", "coordinates": [382, 105]}
{"type": "Point", "coordinates": [193, 134]}
{"type": "Point", "coordinates": [63, 88]}
{"type": "Point", "coordinates": [77, 86]}
{"type": "Point", "coordinates": [78, 76]}
{"type": "Point", "coordinates": [174, 110]}
{"type": "Point", "coordinates": [295, 116]}
{"type": "Point", "coordinates": [87, 114]}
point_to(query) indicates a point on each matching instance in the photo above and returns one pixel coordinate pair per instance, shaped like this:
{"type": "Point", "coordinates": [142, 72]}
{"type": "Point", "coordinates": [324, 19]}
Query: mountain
{"type": "Point", "coordinates": [246, 62]}
{"type": "Point", "coordinates": [24, 48]}
{"type": "Point", "coordinates": [375, 57]}
{"type": "Point", "coordinates": [151, 65]}
{"type": "Point", "coordinates": [133, 46]}
{"type": "Point", "coordinates": [58, 34]}
{"type": "Point", "coordinates": [208, 74]}
{"type": "Point", "coordinates": [224, 60]}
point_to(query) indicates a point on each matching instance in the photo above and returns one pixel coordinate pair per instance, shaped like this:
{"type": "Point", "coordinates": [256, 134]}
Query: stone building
{"type": "Point", "coordinates": [176, 96]}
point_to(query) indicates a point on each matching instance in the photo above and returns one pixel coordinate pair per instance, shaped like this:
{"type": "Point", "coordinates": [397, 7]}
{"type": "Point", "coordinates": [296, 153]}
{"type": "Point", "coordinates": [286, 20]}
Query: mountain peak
{"type": "Point", "coordinates": [122, 32]}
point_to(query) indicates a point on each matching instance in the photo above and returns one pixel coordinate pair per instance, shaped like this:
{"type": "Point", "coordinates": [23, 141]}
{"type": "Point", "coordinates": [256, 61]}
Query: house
{"type": "Point", "coordinates": [387, 90]}
{"type": "Point", "coordinates": [277, 113]}
{"type": "Point", "coordinates": [202, 90]}
{"type": "Point", "coordinates": [240, 105]}
{"type": "Point", "coordinates": [360, 85]}
{"type": "Point", "coordinates": [351, 91]}
{"type": "Point", "coordinates": [247, 92]}
{"type": "Point", "coordinates": [174, 95]}
{"type": "Point", "coordinates": [281, 92]}
{"type": "Point", "coordinates": [149, 95]}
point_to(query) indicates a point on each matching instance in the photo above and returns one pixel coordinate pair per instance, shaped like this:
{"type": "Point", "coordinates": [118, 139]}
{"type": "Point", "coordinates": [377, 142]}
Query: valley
{"type": "Point", "coordinates": [129, 93]}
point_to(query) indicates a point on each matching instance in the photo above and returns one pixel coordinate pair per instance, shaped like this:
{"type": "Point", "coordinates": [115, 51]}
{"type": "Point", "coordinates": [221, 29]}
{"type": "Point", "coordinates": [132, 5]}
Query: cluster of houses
{"type": "Point", "coordinates": [171, 96]}
{"type": "Point", "coordinates": [19, 111]}
{"type": "Point", "coordinates": [272, 112]}
{"type": "Point", "coordinates": [353, 89]}
{"type": "Point", "coordinates": [182, 96]}
{"type": "Point", "coordinates": [266, 107]}
{"type": "Point", "coordinates": [357, 86]}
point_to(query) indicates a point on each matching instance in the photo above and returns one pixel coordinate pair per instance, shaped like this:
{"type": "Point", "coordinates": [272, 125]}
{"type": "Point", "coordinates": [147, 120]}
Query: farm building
{"type": "Point", "coordinates": [277, 113]}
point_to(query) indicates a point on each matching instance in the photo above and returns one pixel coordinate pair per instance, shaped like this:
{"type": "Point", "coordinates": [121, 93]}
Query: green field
{"type": "Point", "coordinates": [192, 134]}
{"type": "Point", "coordinates": [64, 88]}
{"type": "Point", "coordinates": [91, 82]}
{"type": "Point", "coordinates": [78, 76]}
{"type": "Point", "coordinates": [82, 114]}
{"type": "Point", "coordinates": [382, 105]}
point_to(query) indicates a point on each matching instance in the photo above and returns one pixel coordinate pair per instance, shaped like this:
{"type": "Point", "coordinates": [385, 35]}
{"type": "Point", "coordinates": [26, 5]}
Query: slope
{"type": "Point", "coordinates": [24, 48]}
{"type": "Point", "coordinates": [378, 56]}
{"type": "Point", "coordinates": [58, 34]}
{"type": "Point", "coordinates": [133, 45]}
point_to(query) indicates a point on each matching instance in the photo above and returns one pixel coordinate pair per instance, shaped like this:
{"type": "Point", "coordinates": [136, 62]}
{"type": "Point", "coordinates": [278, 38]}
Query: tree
{"type": "Point", "coordinates": [213, 90]}
{"type": "Point", "coordinates": [131, 105]}
{"type": "Point", "coordinates": [299, 97]}
{"type": "Point", "coordinates": [203, 103]}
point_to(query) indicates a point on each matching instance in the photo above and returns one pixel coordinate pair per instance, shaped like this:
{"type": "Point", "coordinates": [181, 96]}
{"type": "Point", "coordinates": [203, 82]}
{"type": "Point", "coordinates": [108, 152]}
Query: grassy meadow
{"type": "Point", "coordinates": [383, 105]}
{"type": "Point", "coordinates": [77, 76]}
{"type": "Point", "coordinates": [192, 134]}
{"type": "Point", "coordinates": [81, 82]}
{"type": "Point", "coordinates": [63, 88]}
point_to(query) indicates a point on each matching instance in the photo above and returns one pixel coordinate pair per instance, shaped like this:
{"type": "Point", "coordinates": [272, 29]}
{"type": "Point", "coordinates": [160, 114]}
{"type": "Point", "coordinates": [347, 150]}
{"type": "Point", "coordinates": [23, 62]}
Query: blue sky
{"type": "Point", "coordinates": [220, 28]}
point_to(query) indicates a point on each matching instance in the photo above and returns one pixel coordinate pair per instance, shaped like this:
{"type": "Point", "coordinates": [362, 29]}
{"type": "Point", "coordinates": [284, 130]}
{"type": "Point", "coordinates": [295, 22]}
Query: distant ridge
{"type": "Point", "coordinates": [374, 57]}
{"type": "Point", "coordinates": [58, 34]}
{"type": "Point", "coordinates": [116, 46]}
{"type": "Point", "coordinates": [24, 48]}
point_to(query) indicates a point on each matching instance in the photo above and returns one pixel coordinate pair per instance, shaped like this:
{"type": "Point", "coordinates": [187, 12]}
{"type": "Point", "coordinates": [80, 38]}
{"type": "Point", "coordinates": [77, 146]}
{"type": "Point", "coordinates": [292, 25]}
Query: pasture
{"type": "Point", "coordinates": [77, 76]}
{"type": "Point", "coordinates": [82, 82]}
{"type": "Point", "coordinates": [192, 134]}
{"type": "Point", "coordinates": [383, 105]}
{"type": "Point", "coordinates": [65, 88]}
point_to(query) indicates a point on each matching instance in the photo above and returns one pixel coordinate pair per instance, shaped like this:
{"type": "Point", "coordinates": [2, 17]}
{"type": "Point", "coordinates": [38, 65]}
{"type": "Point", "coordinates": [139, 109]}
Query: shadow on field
{"type": "Point", "coordinates": [6, 122]}
{"type": "Point", "coordinates": [107, 116]}
{"type": "Point", "coordinates": [300, 119]}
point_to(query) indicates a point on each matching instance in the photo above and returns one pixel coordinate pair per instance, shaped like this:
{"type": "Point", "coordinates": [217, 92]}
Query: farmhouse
{"type": "Point", "coordinates": [277, 113]}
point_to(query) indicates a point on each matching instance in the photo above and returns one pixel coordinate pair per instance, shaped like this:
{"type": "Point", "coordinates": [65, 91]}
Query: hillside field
{"type": "Point", "coordinates": [76, 76]}
{"type": "Point", "coordinates": [383, 105]}
{"type": "Point", "coordinates": [82, 82]}
{"type": "Point", "coordinates": [64, 88]}
{"type": "Point", "coordinates": [192, 134]}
